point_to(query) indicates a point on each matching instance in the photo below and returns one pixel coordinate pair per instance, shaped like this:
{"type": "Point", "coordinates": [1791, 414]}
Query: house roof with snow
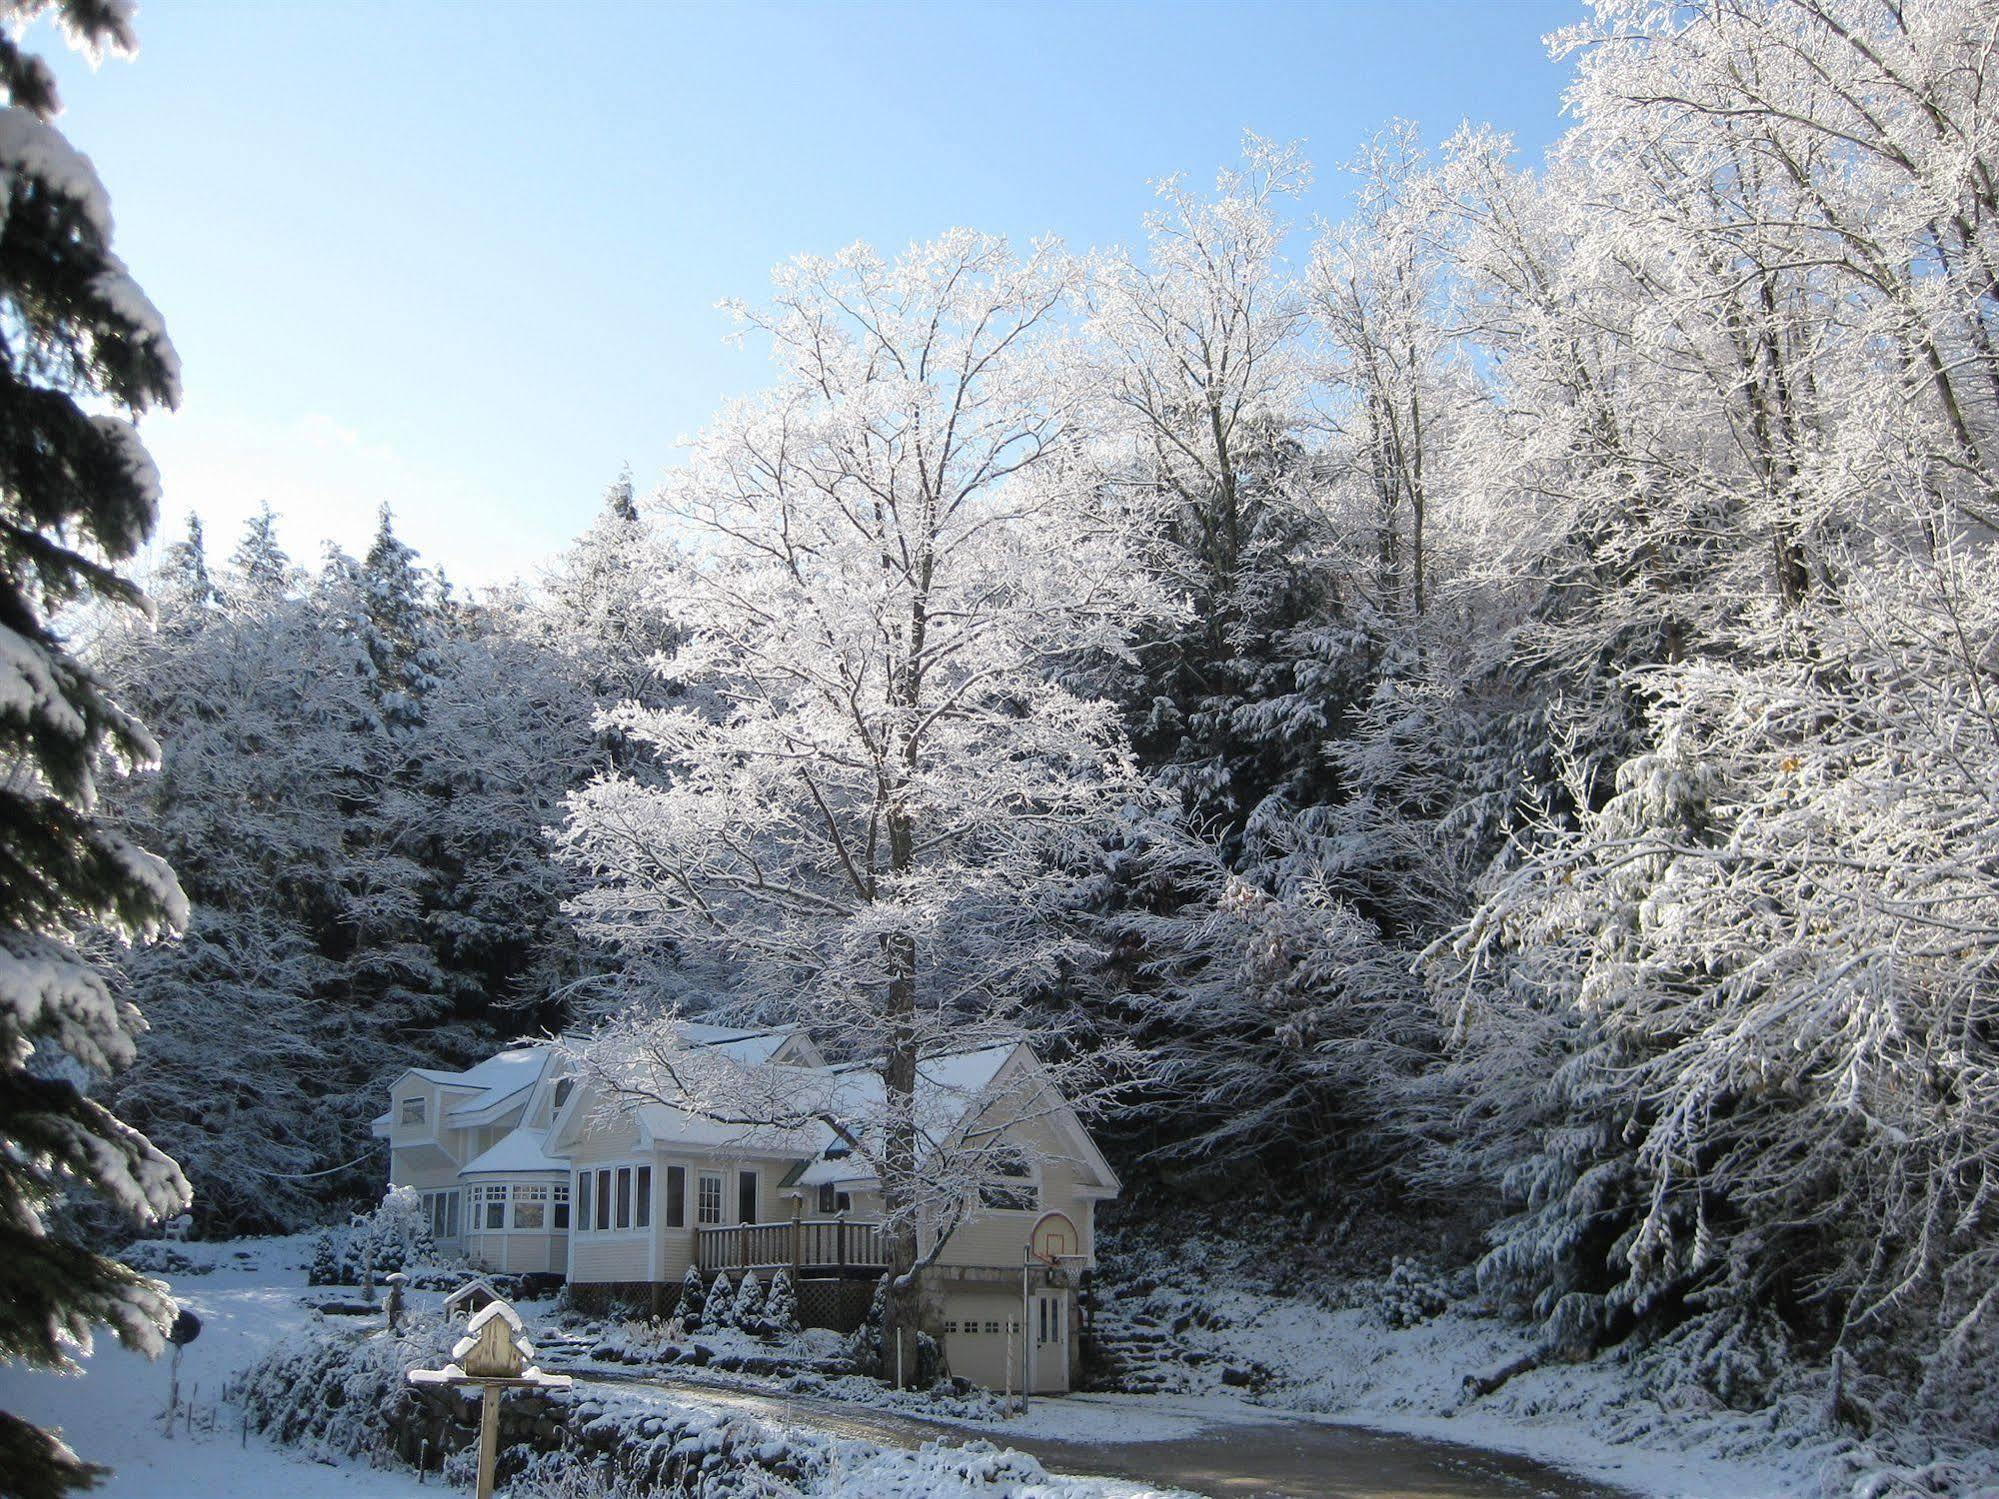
{"type": "Point", "coordinates": [518, 1152]}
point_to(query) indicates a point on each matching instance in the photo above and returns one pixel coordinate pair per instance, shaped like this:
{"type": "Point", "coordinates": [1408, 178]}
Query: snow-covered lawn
{"type": "Point", "coordinates": [112, 1413]}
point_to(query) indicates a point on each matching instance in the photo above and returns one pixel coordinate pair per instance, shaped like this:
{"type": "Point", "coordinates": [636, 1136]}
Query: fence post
{"type": "Point", "coordinates": [797, 1238]}
{"type": "Point", "coordinates": [840, 1240]}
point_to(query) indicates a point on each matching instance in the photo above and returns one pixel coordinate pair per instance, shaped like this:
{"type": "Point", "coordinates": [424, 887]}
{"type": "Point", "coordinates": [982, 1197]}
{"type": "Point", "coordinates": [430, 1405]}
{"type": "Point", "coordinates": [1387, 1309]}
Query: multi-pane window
{"type": "Point", "coordinates": [496, 1209]}
{"type": "Point", "coordinates": [832, 1200]}
{"type": "Point", "coordinates": [440, 1210]}
{"type": "Point", "coordinates": [1009, 1186]}
{"type": "Point", "coordinates": [530, 1207]}
{"type": "Point", "coordinates": [642, 1205]}
{"type": "Point", "coordinates": [559, 1207]}
{"type": "Point", "coordinates": [708, 1201]}
{"type": "Point", "coordinates": [412, 1110]}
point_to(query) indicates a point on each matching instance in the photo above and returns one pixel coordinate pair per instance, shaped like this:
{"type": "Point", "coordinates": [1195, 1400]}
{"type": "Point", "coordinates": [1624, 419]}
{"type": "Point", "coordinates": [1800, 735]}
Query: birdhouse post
{"type": "Point", "coordinates": [494, 1355]}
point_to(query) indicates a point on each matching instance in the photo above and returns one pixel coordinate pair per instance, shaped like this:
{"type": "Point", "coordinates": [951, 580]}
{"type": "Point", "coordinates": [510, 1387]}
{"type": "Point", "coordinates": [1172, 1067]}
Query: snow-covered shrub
{"type": "Point", "coordinates": [327, 1257]}
{"type": "Point", "coordinates": [719, 1311]}
{"type": "Point", "coordinates": [396, 1233]}
{"type": "Point", "coordinates": [748, 1312]}
{"type": "Point", "coordinates": [1411, 1295]}
{"type": "Point", "coordinates": [781, 1305]}
{"type": "Point", "coordinates": [865, 1346]}
{"type": "Point", "coordinates": [337, 1389]}
{"type": "Point", "coordinates": [693, 1301]}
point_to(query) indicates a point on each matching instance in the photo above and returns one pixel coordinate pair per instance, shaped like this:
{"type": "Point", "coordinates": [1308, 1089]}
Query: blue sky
{"type": "Point", "coordinates": [464, 257]}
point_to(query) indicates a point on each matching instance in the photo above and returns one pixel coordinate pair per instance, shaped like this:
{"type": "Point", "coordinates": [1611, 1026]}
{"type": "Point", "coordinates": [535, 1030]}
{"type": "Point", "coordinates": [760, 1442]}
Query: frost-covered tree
{"type": "Point", "coordinates": [84, 355]}
{"type": "Point", "coordinates": [363, 897]}
{"type": "Point", "coordinates": [1717, 1021]}
{"type": "Point", "coordinates": [896, 546]}
{"type": "Point", "coordinates": [1199, 367]}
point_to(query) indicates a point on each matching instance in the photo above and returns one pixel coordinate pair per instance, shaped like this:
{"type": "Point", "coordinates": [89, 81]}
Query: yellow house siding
{"type": "Point", "coordinates": [610, 1257]}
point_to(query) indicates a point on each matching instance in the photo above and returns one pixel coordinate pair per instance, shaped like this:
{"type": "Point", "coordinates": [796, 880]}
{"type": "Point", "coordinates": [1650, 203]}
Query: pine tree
{"type": "Point", "coordinates": [719, 1311]}
{"type": "Point", "coordinates": [184, 588]}
{"type": "Point", "coordinates": [749, 1309]}
{"type": "Point", "coordinates": [781, 1305]}
{"type": "Point", "coordinates": [693, 1300]}
{"type": "Point", "coordinates": [263, 571]}
{"type": "Point", "coordinates": [78, 495]}
{"type": "Point", "coordinates": [399, 626]}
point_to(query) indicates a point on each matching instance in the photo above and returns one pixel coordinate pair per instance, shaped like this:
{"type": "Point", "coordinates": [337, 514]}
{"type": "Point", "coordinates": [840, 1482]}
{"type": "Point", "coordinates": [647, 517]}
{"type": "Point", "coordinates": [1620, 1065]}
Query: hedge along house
{"type": "Point", "coordinates": [656, 1188]}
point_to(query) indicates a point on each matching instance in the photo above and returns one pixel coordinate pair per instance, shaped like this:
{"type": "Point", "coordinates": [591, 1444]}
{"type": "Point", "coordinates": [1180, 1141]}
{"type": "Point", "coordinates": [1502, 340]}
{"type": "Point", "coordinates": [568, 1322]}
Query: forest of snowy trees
{"type": "Point", "coordinates": [1489, 705]}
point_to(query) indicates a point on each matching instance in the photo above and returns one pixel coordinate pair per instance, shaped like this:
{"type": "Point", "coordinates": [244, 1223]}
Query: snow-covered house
{"type": "Point", "coordinates": [471, 1144]}
{"type": "Point", "coordinates": [656, 1189]}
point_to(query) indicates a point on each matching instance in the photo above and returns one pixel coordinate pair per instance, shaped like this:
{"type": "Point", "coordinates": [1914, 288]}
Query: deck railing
{"type": "Point", "coordinates": [819, 1246]}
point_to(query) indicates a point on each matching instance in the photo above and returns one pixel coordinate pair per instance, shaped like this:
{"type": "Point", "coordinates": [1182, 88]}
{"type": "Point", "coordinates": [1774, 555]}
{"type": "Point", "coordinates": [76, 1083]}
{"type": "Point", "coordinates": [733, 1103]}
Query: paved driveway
{"type": "Point", "coordinates": [1226, 1460]}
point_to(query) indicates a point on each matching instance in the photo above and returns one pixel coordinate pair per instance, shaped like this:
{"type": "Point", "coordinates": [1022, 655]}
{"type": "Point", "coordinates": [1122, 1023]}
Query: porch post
{"type": "Point", "coordinates": [797, 1238]}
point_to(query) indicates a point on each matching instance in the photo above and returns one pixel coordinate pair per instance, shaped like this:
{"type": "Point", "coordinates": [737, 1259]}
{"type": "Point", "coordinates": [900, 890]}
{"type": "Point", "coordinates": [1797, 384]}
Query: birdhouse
{"type": "Point", "coordinates": [474, 1296]}
{"type": "Point", "coordinates": [494, 1345]}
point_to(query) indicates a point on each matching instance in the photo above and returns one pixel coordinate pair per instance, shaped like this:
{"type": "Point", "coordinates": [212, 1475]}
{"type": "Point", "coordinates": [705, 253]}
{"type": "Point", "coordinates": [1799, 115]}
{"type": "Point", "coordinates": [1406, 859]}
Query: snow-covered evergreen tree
{"type": "Point", "coordinates": [781, 1305]}
{"type": "Point", "coordinates": [718, 1309]}
{"type": "Point", "coordinates": [748, 1311]}
{"type": "Point", "coordinates": [85, 354]}
{"type": "Point", "coordinates": [693, 1307]}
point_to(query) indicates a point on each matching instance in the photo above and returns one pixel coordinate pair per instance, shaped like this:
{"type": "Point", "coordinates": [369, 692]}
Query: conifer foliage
{"type": "Point", "coordinates": [78, 496]}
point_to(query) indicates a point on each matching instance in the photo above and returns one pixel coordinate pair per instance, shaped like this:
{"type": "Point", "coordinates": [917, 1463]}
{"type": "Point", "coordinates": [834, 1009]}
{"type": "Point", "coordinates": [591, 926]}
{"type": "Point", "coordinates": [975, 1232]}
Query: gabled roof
{"type": "Point", "coordinates": [497, 1082]}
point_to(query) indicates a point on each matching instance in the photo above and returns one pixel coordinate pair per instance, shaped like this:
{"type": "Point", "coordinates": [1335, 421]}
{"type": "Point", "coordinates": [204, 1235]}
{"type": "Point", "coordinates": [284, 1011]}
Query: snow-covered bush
{"type": "Point", "coordinates": [865, 1346]}
{"type": "Point", "coordinates": [396, 1234]}
{"type": "Point", "coordinates": [781, 1305]}
{"type": "Point", "coordinates": [328, 1255]}
{"type": "Point", "coordinates": [336, 1390]}
{"type": "Point", "coordinates": [719, 1310]}
{"type": "Point", "coordinates": [1412, 1294]}
{"type": "Point", "coordinates": [693, 1301]}
{"type": "Point", "coordinates": [748, 1312]}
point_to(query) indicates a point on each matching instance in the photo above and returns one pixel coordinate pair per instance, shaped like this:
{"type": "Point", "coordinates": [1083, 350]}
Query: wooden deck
{"type": "Point", "coordinates": [804, 1246]}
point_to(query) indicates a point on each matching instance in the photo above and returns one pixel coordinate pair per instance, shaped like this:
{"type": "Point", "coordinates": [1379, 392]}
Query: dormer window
{"type": "Point", "coordinates": [562, 1088]}
{"type": "Point", "coordinates": [412, 1110]}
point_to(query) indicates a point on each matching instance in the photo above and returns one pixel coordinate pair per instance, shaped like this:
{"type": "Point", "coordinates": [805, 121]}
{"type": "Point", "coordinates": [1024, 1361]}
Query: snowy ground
{"type": "Point", "coordinates": [111, 1414]}
{"type": "Point", "coordinates": [1337, 1365]}
{"type": "Point", "coordinates": [250, 1299]}
{"type": "Point", "coordinates": [1613, 1419]}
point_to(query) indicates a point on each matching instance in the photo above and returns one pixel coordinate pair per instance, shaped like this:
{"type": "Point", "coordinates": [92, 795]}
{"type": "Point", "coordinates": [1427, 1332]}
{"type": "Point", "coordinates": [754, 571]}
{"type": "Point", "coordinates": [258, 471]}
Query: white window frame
{"type": "Point", "coordinates": [526, 1198]}
{"type": "Point", "coordinates": [1028, 1182]}
{"type": "Point", "coordinates": [411, 1111]}
{"type": "Point", "coordinates": [702, 1217]}
{"type": "Point", "coordinates": [597, 1201]}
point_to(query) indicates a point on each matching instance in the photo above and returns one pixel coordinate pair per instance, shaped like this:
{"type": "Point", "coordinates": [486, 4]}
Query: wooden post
{"type": "Point", "coordinates": [840, 1241]}
{"type": "Point", "coordinates": [489, 1438]}
{"type": "Point", "coordinates": [797, 1239]}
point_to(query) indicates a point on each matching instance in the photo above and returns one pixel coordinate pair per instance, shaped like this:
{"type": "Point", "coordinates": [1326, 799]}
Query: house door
{"type": "Point", "coordinates": [1051, 1341]}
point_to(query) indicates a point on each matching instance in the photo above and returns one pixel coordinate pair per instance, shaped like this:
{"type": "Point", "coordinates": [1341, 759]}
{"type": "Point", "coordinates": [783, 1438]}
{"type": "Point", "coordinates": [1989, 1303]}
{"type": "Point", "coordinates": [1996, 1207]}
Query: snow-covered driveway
{"type": "Point", "coordinates": [1216, 1448]}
